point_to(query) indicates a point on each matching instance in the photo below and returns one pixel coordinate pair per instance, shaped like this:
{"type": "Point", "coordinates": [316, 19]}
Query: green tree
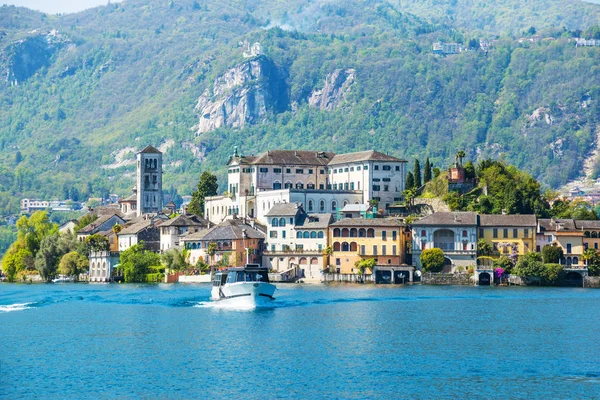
{"type": "Point", "coordinates": [530, 266]}
{"type": "Point", "coordinates": [136, 262]}
{"type": "Point", "coordinates": [17, 258]}
{"type": "Point", "coordinates": [592, 259]}
{"type": "Point", "coordinates": [174, 259]}
{"type": "Point", "coordinates": [432, 260]}
{"type": "Point", "coordinates": [362, 265]}
{"type": "Point", "coordinates": [417, 174]}
{"type": "Point", "coordinates": [410, 181]}
{"type": "Point", "coordinates": [552, 254]}
{"type": "Point", "coordinates": [436, 172]}
{"type": "Point", "coordinates": [505, 263]}
{"type": "Point", "coordinates": [48, 256]}
{"type": "Point", "coordinates": [97, 242]}
{"type": "Point", "coordinates": [202, 266]}
{"type": "Point", "coordinates": [427, 175]}
{"type": "Point", "coordinates": [85, 221]}
{"type": "Point", "coordinates": [33, 229]}
{"type": "Point", "coordinates": [207, 186]}
{"type": "Point", "coordinates": [211, 250]}
{"type": "Point", "coordinates": [73, 264]}
{"type": "Point", "coordinates": [484, 248]}
{"type": "Point", "coordinates": [459, 157]}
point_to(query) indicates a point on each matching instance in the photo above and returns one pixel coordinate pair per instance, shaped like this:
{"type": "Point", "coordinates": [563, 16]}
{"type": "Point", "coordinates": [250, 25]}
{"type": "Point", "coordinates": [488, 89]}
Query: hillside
{"type": "Point", "coordinates": [80, 92]}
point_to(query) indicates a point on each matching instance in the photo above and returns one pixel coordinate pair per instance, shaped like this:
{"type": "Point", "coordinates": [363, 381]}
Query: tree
{"type": "Point", "coordinates": [17, 258]}
{"type": "Point", "coordinates": [469, 170]}
{"type": "Point", "coordinates": [459, 157]}
{"type": "Point", "coordinates": [117, 228]}
{"type": "Point", "coordinates": [432, 260]}
{"type": "Point", "coordinates": [327, 252]}
{"type": "Point", "coordinates": [410, 181]}
{"type": "Point", "coordinates": [211, 250]}
{"type": "Point", "coordinates": [97, 242]}
{"type": "Point", "coordinates": [529, 266]}
{"type": "Point", "coordinates": [174, 259]}
{"type": "Point", "coordinates": [207, 186]}
{"type": "Point", "coordinates": [427, 172]}
{"type": "Point", "coordinates": [18, 158]}
{"type": "Point", "coordinates": [362, 265]}
{"type": "Point", "coordinates": [484, 248]}
{"type": "Point", "coordinates": [503, 263]}
{"type": "Point", "coordinates": [436, 172]}
{"type": "Point", "coordinates": [136, 262]}
{"type": "Point", "coordinates": [417, 174]}
{"type": "Point", "coordinates": [202, 266]}
{"type": "Point", "coordinates": [33, 229]}
{"type": "Point", "coordinates": [48, 256]}
{"type": "Point", "coordinates": [85, 221]}
{"type": "Point", "coordinates": [73, 264]}
{"type": "Point", "coordinates": [552, 254]}
{"type": "Point", "coordinates": [473, 44]}
{"type": "Point", "coordinates": [592, 259]}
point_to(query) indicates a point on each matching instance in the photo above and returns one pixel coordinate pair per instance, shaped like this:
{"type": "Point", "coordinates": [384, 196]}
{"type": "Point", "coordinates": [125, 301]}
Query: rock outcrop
{"type": "Point", "coordinates": [334, 92]}
{"type": "Point", "coordinates": [245, 94]}
{"type": "Point", "coordinates": [21, 59]}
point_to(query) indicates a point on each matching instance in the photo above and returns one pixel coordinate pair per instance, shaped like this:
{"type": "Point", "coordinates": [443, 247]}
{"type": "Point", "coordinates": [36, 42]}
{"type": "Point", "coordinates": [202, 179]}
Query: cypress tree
{"type": "Point", "coordinates": [427, 172]}
{"type": "Point", "coordinates": [410, 181]}
{"type": "Point", "coordinates": [417, 174]}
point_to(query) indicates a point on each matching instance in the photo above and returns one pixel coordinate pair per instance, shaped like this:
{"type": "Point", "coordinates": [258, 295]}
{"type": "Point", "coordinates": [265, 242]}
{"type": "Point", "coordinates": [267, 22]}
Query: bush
{"type": "Point", "coordinates": [552, 254]}
{"type": "Point", "coordinates": [156, 277]}
{"type": "Point", "coordinates": [432, 260]}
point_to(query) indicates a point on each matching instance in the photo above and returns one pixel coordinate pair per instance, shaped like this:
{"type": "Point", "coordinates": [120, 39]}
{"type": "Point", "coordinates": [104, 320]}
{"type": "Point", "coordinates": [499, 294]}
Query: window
{"type": "Point", "coordinates": [298, 235]}
{"type": "Point", "coordinates": [386, 188]}
{"type": "Point", "coordinates": [273, 247]}
{"type": "Point", "coordinates": [299, 185]}
{"type": "Point", "coordinates": [310, 205]}
{"type": "Point", "coordinates": [321, 186]}
{"type": "Point", "coordinates": [275, 222]}
{"type": "Point", "coordinates": [358, 168]}
{"type": "Point", "coordinates": [333, 205]}
{"type": "Point", "coordinates": [310, 171]}
{"type": "Point", "coordinates": [383, 235]}
{"type": "Point", "coordinates": [277, 170]}
{"type": "Point", "coordinates": [306, 235]}
{"type": "Point", "coordinates": [394, 235]}
{"type": "Point", "coordinates": [394, 250]}
{"type": "Point", "coordinates": [375, 250]}
{"type": "Point", "coordinates": [273, 234]}
{"type": "Point", "coordinates": [397, 168]}
{"type": "Point", "coordinates": [376, 180]}
{"type": "Point", "coordinates": [384, 250]}
{"type": "Point", "coordinates": [376, 167]}
{"type": "Point", "coordinates": [263, 170]}
{"type": "Point", "coordinates": [569, 248]}
{"type": "Point", "coordinates": [366, 167]}
{"type": "Point", "coordinates": [320, 247]}
{"type": "Point", "coordinates": [515, 233]}
{"type": "Point", "coordinates": [351, 169]}
{"type": "Point", "coordinates": [526, 232]}
{"type": "Point", "coordinates": [387, 168]}
{"type": "Point", "coordinates": [291, 221]}
{"type": "Point", "coordinates": [313, 235]}
{"type": "Point", "coordinates": [423, 233]}
{"type": "Point", "coordinates": [376, 188]}
{"type": "Point", "coordinates": [288, 185]}
{"type": "Point", "coordinates": [481, 232]}
{"type": "Point", "coordinates": [346, 186]}
{"type": "Point", "coordinates": [351, 185]}
{"type": "Point", "coordinates": [276, 185]}
{"type": "Point", "coordinates": [322, 172]}
{"type": "Point", "coordinates": [335, 186]}
{"type": "Point", "coordinates": [322, 206]}
{"type": "Point", "coordinates": [283, 234]}
{"type": "Point", "coordinates": [335, 170]}
{"type": "Point", "coordinates": [320, 235]}
{"type": "Point", "coordinates": [386, 179]}
{"type": "Point", "coordinates": [346, 169]}
{"type": "Point", "coordinates": [299, 171]}
{"type": "Point", "coordinates": [585, 246]}
{"type": "Point", "coordinates": [495, 233]}
{"type": "Point", "coordinates": [338, 261]}
{"type": "Point", "coordinates": [282, 221]}
{"type": "Point", "coordinates": [465, 234]}
{"type": "Point", "coordinates": [596, 245]}
{"type": "Point", "coordinates": [505, 233]}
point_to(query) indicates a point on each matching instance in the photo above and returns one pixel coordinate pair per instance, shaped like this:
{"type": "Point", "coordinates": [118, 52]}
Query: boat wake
{"type": "Point", "coordinates": [16, 307]}
{"type": "Point", "coordinates": [219, 305]}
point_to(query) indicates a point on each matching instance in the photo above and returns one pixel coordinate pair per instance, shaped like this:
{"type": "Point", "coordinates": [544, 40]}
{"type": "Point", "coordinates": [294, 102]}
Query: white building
{"type": "Point", "coordinates": [453, 232]}
{"type": "Point", "coordinates": [172, 230]}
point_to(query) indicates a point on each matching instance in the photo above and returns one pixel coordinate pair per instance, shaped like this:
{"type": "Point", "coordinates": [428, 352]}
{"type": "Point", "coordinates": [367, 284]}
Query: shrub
{"type": "Point", "coordinates": [432, 260]}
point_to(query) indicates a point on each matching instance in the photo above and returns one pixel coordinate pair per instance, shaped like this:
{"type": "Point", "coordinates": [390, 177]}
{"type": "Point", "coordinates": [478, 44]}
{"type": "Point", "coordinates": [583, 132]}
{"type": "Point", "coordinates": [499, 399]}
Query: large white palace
{"type": "Point", "coordinates": [321, 182]}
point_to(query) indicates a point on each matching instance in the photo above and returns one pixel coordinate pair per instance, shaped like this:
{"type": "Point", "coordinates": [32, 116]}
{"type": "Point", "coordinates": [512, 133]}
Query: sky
{"type": "Point", "coordinates": [57, 6]}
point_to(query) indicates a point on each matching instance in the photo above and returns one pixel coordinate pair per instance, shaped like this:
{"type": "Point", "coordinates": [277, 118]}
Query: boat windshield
{"type": "Point", "coordinates": [248, 276]}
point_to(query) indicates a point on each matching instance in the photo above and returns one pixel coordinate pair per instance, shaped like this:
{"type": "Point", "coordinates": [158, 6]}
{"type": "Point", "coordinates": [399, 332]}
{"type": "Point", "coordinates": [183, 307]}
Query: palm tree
{"type": "Point", "coordinates": [459, 157]}
{"type": "Point", "coordinates": [211, 251]}
{"type": "Point", "coordinates": [327, 252]}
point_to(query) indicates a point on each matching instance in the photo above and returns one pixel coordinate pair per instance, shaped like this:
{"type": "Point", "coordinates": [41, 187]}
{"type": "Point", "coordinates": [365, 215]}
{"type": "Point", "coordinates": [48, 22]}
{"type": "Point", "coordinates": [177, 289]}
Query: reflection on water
{"type": "Point", "coordinates": [340, 341]}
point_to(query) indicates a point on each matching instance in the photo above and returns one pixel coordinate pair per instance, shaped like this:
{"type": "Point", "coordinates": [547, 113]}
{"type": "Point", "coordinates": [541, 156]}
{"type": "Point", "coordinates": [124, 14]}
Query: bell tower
{"type": "Point", "coordinates": [149, 181]}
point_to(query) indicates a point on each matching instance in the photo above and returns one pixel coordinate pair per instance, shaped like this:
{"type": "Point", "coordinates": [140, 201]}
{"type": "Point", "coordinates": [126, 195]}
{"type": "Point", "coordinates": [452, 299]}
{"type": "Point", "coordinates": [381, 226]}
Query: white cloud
{"type": "Point", "coordinates": [58, 6]}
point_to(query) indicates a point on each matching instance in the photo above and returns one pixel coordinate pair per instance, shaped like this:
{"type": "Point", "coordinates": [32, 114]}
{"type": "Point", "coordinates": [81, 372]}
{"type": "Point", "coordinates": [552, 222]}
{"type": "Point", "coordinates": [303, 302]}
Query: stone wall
{"type": "Point", "coordinates": [430, 278]}
{"type": "Point", "coordinates": [592, 281]}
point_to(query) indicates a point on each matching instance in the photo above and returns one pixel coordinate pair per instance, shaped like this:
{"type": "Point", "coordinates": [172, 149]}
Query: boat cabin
{"type": "Point", "coordinates": [249, 273]}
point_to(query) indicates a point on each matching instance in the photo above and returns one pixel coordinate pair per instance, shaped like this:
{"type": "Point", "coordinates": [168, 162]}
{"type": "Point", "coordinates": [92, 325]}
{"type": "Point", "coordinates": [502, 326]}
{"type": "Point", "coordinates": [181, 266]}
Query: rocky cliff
{"type": "Point", "coordinates": [245, 94]}
{"type": "Point", "coordinates": [334, 92]}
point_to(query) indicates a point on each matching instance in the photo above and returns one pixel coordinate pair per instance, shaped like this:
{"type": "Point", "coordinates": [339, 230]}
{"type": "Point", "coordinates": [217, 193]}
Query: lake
{"type": "Point", "coordinates": [74, 341]}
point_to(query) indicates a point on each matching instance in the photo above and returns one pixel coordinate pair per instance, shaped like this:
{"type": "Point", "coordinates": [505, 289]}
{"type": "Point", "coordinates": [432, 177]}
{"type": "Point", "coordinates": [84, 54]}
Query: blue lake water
{"type": "Point", "coordinates": [342, 341]}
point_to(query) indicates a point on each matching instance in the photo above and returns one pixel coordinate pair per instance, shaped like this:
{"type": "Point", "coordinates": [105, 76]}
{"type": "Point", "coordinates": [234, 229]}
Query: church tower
{"type": "Point", "coordinates": [149, 181]}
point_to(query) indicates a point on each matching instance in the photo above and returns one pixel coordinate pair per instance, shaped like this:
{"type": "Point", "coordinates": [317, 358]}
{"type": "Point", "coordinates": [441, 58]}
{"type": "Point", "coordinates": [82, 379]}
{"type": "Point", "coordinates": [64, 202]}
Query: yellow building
{"type": "Point", "coordinates": [591, 234]}
{"type": "Point", "coordinates": [355, 239]}
{"type": "Point", "coordinates": [509, 233]}
{"type": "Point", "coordinates": [563, 233]}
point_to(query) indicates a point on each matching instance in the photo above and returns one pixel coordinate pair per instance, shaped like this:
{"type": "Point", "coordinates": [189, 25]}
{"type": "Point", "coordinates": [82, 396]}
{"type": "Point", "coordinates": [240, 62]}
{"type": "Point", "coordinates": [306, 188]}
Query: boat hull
{"type": "Point", "coordinates": [244, 294]}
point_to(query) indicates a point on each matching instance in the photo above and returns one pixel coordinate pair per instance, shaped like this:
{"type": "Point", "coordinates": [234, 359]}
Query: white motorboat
{"type": "Point", "coordinates": [63, 279]}
{"type": "Point", "coordinates": [243, 287]}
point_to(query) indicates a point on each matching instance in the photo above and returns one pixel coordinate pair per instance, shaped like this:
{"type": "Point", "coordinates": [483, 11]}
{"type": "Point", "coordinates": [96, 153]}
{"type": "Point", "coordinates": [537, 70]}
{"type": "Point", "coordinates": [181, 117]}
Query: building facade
{"type": "Point", "coordinates": [149, 181]}
{"type": "Point", "coordinates": [509, 234]}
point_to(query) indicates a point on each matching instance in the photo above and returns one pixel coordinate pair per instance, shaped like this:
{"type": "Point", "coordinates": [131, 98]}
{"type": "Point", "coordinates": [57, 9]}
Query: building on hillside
{"type": "Point", "coordinates": [591, 234]}
{"type": "Point", "coordinates": [453, 232]}
{"type": "Point", "coordinates": [173, 230]}
{"type": "Point", "coordinates": [355, 239]}
{"type": "Point", "coordinates": [32, 205]}
{"type": "Point", "coordinates": [149, 181]}
{"type": "Point", "coordinates": [582, 42]}
{"type": "Point", "coordinates": [446, 48]}
{"type": "Point", "coordinates": [509, 234]}
{"type": "Point", "coordinates": [296, 239]}
{"type": "Point", "coordinates": [379, 176]}
{"type": "Point", "coordinates": [102, 224]}
{"type": "Point", "coordinates": [565, 234]}
{"type": "Point", "coordinates": [236, 244]}
{"type": "Point", "coordinates": [129, 204]}
{"type": "Point", "coordinates": [143, 229]}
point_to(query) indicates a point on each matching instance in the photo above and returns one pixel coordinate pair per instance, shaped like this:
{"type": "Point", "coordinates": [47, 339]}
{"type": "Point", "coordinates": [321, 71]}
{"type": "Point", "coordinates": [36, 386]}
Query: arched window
{"type": "Point", "coordinates": [575, 260]}
{"type": "Point", "coordinates": [345, 232]}
{"type": "Point", "coordinates": [586, 234]}
{"type": "Point", "coordinates": [298, 235]}
{"type": "Point", "coordinates": [336, 246]}
{"type": "Point", "coordinates": [299, 185]}
{"type": "Point", "coordinates": [345, 246]}
{"type": "Point", "coordinates": [370, 232]}
{"type": "Point", "coordinates": [306, 235]}
{"type": "Point", "coordinates": [594, 234]}
{"type": "Point", "coordinates": [313, 235]}
{"type": "Point", "coordinates": [464, 233]}
{"type": "Point", "coordinates": [353, 246]}
{"type": "Point", "coordinates": [320, 235]}
{"type": "Point", "coordinates": [314, 261]}
{"type": "Point", "coordinates": [334, 206]}
{"type": "Point", "coordinates": [288, 185]}
{"type": "Point", "coordinates": [275, 222]}
{"type": "Point", "coordinates": [281, 221]}
{"type": "Point", "coordinates": [336, 232]}
{"type": "Point", "coordinates": [345, 203]}
{"type": "Point", "coordinates": [322, 206]}
{"type": "Point", "coordinates": [569, 260]}
{"type": "Point", "coordinates": [310, 205]}
{"type": "Point", "coordinates": [353, 232]}
{"type": "Point", "coordinates": [276, 185]}
{"type": "Point", "coordinates": [362, 232]}
{"type": "Point", "coordinates": [303, 261]}
{"type": "Point", "coordinates": [423, 233]}
{"type": "Point", "coordinates": [193, 246]}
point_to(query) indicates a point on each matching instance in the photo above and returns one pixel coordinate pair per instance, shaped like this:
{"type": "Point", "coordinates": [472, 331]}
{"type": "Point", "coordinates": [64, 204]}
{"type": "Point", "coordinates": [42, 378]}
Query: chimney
{"type": "Point", "coordinates": [184, 210]}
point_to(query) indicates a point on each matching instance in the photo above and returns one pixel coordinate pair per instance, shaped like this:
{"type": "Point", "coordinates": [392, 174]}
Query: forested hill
{"type": "Point", "coordinates": [80, 92]}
